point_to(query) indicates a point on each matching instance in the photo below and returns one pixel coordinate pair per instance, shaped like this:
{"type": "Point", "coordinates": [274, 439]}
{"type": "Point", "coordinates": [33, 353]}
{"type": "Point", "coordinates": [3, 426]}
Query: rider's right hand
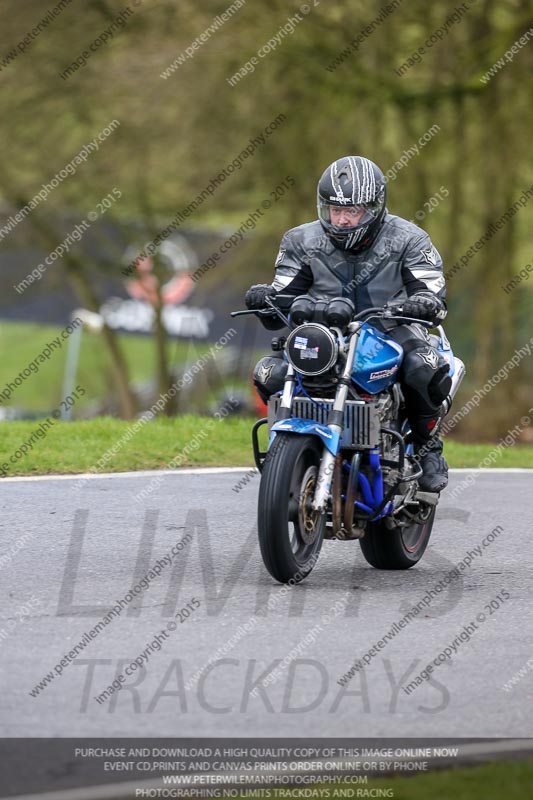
{"type": "Point", "coordinates": [255, 297]}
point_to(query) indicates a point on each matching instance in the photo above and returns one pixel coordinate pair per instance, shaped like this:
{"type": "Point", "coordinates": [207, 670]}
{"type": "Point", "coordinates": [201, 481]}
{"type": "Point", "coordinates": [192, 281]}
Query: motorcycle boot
{"type": "Point", "coordinates": [433, 463]}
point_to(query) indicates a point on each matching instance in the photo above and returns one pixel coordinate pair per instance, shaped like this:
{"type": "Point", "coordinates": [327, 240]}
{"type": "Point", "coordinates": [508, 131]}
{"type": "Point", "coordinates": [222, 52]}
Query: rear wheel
{"type": "Point", "coordinates": [398, 547]}
{"type": "Point", "coordinates": [290, 532]}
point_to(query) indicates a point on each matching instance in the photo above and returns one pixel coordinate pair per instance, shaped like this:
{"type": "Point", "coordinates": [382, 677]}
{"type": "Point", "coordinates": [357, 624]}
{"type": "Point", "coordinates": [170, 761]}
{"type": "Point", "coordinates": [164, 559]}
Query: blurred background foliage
{"type": "Point", "coordinates": [177, 133]}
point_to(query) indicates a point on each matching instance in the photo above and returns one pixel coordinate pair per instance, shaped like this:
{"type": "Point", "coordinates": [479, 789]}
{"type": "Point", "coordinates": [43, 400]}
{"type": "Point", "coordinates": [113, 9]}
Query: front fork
{"type": "Point", "coordinates": [335, 423]}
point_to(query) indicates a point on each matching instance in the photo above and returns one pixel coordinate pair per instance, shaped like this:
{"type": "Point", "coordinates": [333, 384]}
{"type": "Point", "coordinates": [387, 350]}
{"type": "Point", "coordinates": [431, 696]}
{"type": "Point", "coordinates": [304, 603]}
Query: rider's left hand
{"type": "Point", "coordinates": [424, 306]}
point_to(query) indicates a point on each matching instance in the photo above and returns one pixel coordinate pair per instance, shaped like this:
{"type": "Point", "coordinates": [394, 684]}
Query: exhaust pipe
{"type": "Point", "coordinates": [457, 377]}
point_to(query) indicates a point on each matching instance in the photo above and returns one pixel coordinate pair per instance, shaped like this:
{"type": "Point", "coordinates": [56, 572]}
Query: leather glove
{"type": "Point", "coordinates": [424, 306]}
{"type": "Point", "coordinates": [255, 296]}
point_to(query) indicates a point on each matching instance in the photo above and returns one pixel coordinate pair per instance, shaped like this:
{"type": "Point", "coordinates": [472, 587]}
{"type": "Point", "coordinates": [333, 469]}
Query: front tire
{"type": "Point", "coordinates": [290, 533]}
{"type": "Point", "coordinates": [397, 548]}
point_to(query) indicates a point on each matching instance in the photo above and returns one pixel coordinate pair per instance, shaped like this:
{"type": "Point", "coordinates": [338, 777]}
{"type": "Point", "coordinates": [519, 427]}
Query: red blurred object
{"type": "Point", "coordinates": [259, 406]}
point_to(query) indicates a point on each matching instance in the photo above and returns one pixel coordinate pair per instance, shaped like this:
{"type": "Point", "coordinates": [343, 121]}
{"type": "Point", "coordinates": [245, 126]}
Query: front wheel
{"type": "Point", "coordinates": [399, 547]}
{"type": "Point", "coordinates": [290, 532]}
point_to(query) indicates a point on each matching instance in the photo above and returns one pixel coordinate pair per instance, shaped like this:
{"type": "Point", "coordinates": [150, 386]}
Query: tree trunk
{"type": "Point", "coordinates": [164, 374]}
{"type": "Point", "coordinates": [84, 290]}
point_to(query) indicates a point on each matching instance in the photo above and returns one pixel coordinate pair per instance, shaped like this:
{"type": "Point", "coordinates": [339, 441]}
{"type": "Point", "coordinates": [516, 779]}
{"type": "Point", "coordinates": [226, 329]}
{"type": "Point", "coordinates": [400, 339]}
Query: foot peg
{"type": "Point", "coordinates": [431, 498]}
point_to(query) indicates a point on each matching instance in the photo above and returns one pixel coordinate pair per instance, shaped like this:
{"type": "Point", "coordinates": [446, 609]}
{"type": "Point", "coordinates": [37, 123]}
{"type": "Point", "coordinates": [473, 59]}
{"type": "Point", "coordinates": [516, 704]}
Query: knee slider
{"type": "Point", "coordinates": [419, 366]}
{"type": "Point", "coordinates": [426, 374]}
{"type": "Point", "coordinates": [269, 376]}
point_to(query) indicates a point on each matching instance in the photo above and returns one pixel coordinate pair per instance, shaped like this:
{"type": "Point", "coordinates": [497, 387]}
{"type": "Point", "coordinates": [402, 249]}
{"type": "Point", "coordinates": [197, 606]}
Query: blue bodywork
{"type": "Point", "coordinates": [377, 360]}
{"type": "Point", "coordinates": [443, 346]}
{"type": "Point", "coordinates": [307, 426]}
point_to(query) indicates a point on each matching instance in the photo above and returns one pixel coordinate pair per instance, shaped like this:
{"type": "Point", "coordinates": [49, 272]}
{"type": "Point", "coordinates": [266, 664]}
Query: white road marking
{"type": "Point", "coordinates": [207, 471]}
{"type": "Point", "coordinates": [90, 476]}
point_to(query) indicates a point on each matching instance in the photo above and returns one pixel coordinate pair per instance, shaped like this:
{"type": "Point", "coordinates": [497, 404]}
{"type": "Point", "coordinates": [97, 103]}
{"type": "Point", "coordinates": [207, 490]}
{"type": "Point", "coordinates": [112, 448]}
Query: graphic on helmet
{"type": "Point", "coordinates": [351, 197]}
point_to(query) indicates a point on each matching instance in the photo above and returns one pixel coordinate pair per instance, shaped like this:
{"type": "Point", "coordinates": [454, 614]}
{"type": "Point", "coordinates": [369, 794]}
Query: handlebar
{"type": "Point", "coordinates": [272, 311]}
{"type": "Point", "coordinates": [377, 312]}
{"type": "Point", "coordinates": [387, 312]}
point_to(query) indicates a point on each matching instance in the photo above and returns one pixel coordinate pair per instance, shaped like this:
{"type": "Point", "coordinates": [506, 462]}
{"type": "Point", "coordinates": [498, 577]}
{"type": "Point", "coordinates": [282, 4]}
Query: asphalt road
{"type": "Point", "coordinates": [68, 552]}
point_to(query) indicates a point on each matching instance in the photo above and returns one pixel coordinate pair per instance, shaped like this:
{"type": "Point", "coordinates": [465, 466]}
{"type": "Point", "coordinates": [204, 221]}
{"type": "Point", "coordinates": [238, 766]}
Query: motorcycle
{"type": "Point", "coordinates": [340, 462]}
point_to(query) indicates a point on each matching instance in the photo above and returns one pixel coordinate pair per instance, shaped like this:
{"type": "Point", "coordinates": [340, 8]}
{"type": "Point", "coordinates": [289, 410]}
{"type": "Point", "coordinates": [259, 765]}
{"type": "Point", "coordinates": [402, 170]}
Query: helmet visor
{"type": "Point", "coordinates": [349, 216]}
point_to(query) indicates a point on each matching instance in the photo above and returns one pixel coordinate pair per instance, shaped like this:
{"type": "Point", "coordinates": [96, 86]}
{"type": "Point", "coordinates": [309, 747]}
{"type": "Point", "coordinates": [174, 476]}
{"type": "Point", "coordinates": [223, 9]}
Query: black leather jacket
{"type": "Point", "coordinates": [400, 262]}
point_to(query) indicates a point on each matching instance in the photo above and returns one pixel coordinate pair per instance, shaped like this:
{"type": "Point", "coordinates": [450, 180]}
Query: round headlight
{"type": "Point", "coordinates": [312, 349]}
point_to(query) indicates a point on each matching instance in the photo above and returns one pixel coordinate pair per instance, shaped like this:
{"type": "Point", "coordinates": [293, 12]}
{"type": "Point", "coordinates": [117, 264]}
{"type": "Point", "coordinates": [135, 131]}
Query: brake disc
{"type": "Point", "coordinates": [307, 516]}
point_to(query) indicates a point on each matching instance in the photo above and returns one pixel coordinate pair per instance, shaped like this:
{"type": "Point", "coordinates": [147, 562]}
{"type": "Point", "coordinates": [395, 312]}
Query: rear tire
{"type": "Point", "coordinates": [290, 534]}
{"type": "Point", "coordinates": [399, 548]}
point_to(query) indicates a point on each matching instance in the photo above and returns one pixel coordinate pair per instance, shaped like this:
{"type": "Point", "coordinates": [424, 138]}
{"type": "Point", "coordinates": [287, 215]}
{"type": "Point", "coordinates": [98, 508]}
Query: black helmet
{"type": "Point", "coordinates": [358, 186]}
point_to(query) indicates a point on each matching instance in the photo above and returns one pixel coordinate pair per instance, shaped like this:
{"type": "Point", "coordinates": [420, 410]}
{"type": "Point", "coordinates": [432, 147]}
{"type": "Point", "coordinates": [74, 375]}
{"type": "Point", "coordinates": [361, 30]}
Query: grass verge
{"type": "Point", "coordinates": [22, 342]}
{"type": "Point", "coordinates": [70, 447]}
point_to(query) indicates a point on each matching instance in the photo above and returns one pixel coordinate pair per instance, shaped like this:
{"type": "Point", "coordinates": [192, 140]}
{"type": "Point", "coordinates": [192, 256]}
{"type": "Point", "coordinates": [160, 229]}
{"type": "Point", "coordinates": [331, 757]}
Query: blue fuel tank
{"type": "Point", "coordinates": [377, 360]}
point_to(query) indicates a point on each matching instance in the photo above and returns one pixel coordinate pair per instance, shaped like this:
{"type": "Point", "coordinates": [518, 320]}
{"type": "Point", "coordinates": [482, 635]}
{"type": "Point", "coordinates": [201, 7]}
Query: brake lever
{"type": "Point", "coordinates": [422, 322]}
{"type": "Point", "coordinates": [262, 312]}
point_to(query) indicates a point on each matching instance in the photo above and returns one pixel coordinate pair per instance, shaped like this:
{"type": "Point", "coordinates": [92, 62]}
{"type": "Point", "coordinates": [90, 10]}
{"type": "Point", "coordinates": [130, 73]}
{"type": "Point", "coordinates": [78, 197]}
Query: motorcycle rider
{"type": "Point", "coordinates": [356, 249]}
